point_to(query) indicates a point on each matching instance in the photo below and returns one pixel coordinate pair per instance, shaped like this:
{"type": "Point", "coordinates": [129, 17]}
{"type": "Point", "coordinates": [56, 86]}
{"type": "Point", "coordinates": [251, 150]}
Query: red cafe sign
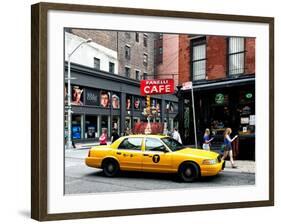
{"type": "Point", "coordinates": [157, 86]}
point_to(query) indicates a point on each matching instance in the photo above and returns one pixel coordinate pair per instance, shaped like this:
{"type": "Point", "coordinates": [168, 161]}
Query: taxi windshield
{"type": "Point", "coordinates": [173, 144]}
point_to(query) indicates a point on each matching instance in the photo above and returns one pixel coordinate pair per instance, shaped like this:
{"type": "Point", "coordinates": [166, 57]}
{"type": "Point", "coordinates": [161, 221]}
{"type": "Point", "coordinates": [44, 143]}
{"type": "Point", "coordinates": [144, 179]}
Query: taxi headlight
{"type": "Point", "coordinates": [209, 161]}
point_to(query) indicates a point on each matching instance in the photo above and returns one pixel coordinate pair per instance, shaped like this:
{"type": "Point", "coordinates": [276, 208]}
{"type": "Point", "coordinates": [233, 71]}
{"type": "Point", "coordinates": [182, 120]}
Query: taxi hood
{"type": "Point", "coordinates": [198, 153]}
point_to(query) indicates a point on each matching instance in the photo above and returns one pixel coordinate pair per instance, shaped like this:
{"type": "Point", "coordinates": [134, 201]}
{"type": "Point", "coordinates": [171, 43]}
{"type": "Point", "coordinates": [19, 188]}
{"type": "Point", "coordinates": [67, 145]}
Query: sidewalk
{"type": "Point", "coordinates": [243, 166]}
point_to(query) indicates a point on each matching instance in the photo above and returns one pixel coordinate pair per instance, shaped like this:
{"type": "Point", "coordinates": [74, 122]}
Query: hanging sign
{"type": "Point", "coordinates": [157, 86]}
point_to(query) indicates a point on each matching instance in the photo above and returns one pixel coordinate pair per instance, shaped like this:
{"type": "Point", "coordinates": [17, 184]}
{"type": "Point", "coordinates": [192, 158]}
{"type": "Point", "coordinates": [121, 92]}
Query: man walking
{"type": "Point", "coordinates": [176, 135]}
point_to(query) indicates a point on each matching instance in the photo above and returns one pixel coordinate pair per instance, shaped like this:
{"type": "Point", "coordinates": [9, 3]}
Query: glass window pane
{"type": "Point", "coordinates": [152, 144]}
{"type": "Point", "coordinates": [199, 52]}
{"type": "Point", "coordinates": [199, 70]}
{"type": "Point", "coordinates": [131, 144]}
{"type": "Point", "coordinates": [236, 44]}
{"type": "Point", "coordinates": [236, 64]}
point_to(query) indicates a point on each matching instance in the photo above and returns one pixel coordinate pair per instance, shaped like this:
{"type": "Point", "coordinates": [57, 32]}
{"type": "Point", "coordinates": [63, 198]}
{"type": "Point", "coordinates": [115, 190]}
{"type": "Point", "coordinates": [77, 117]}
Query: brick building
{"type": "Point", "coordinates": [222, 70]}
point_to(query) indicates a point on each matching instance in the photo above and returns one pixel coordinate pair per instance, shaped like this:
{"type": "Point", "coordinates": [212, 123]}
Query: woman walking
{"type": "Point", "coordinates": [207, 140]}
{"type": "Point", "coordinates": [103, 137]}
{"type": "Point", "coordinates": [227, 146]}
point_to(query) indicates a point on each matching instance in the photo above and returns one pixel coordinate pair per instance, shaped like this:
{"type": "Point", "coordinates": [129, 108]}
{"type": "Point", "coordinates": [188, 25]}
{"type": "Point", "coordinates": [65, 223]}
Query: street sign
{"type": "Point", "coordinates": [157, 86]}
{"type": "Point", "coordinates": [186, 86]}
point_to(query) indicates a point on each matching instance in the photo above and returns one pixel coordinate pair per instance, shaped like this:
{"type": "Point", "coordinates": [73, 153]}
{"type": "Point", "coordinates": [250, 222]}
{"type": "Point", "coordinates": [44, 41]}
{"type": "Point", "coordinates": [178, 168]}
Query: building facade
{"type": "Point", "coordinates": [102, 95]}
{"type": "Point", "coordinates": [222, 71]}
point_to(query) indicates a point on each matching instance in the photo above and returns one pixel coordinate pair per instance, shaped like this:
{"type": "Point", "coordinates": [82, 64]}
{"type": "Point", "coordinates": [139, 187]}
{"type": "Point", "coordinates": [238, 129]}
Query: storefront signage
{"type": "Point", "coordinates": [158, 86]}
{"type": "Point", "coordinates": [249, 95]}
{"type": "Point", "coordinates": [219, 98]}
{"type": "Point", "coordinates": [92, 97]}
{"type": "Point", "coordinates": [186, 86]}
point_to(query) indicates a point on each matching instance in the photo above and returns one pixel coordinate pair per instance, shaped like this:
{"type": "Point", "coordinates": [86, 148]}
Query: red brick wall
{"type": "Point", "coordinates": [216, 57]}
{"type": "Point", "coordinates": [184, 58]}
{"type": "Point", "coordinates": [250, 62]}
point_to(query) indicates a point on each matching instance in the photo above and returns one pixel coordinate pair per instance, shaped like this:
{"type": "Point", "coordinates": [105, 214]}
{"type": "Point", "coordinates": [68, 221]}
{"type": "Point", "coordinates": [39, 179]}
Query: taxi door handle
{"type": "Point", "coordinates": [118, 153]}
{"type": "Point", "coordinates": [147, 155]}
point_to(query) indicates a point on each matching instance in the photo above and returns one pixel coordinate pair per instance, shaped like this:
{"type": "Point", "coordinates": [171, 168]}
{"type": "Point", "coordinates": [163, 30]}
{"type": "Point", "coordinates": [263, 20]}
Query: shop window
{"type": "Point", "coordinates": [91, 126]}
{"type": "Point", "coordinates": [116, 123]}
{"type": "Point", "coordinates": [76, 127]}
{"type": "Point", "coordinates": [104, 124]}
{"type": "Point", "coordinates": [199, 59]}
{"type": "Point", "coordinates": [236, 55]}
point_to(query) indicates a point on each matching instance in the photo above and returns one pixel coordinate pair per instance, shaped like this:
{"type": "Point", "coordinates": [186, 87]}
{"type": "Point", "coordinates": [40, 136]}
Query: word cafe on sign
{"type": "Point", "coordinates": [159, 86]}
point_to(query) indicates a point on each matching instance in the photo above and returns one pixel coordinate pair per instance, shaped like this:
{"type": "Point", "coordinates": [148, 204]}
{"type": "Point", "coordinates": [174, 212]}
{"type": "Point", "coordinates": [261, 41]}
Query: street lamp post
{"type": "Point", "coordinates": [69, 141]}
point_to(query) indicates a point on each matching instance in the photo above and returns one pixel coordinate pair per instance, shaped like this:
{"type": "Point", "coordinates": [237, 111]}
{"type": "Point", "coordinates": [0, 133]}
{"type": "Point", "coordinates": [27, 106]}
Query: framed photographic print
{"type": "Point", "coordinates": [138, 111]}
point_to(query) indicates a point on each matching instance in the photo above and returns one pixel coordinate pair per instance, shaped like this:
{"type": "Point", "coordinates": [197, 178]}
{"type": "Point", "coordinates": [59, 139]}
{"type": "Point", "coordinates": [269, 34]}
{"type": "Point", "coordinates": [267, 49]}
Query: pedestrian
{"type": "Point", "coordinates": [114, 135]}
{"type": "Point", "coordinates": [103, 137]}
{"type": "Point", "coordinates": [228, 147]}
{"type": "Point", "coordinates": [176, 135]}
{"type": "Point", "coordinates": [207, 140]}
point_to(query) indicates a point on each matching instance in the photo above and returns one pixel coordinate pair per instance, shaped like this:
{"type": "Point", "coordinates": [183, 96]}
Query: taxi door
{"type": "Point", "coordinates": [155, 156]}
{"type": "Point", "coordinates": [129, 153]}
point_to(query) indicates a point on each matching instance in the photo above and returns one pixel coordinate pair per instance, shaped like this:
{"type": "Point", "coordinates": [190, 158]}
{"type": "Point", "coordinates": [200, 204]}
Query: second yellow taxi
{"type": "Point", "coordinates": [154, 153]}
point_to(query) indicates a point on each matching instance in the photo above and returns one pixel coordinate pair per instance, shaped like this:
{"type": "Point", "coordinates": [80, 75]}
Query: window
{"type": "Point", "coordinates": [137, 75]}
{"type": "Point", "coordinates": [199, 59]}
{"type": "Point", "coordinates": [111, 67]}
{"type": "Point", "coordinates": [145, 59]}
{"type": "Point", "coordinates": [172, 144]}
{"type": "Point", "coordinates": [131, 144]}
{"type": "Point", "coordinates": [144, 75]}
{"type": "Point", "coordinates": [127, 52]}
{"type": "Point", "coordinates": [145, 40]}
{"type": "Point", "coordinates": [137, 37]}
{"type": "Point", "coordinates": [236, 53]}
{"type": "Point", "coordinates": [152, 144]}
{"type": "Point", "coordinates": [127, 72]}
{"type": "Point", "coordinates": [97, 63]}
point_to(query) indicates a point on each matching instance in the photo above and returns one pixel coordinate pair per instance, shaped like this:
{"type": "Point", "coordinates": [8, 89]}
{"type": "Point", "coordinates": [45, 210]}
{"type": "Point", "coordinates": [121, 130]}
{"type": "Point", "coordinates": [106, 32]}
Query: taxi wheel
{"type": "Point", "coordinates": [110, 167]}
{"type": "Point", "coordinates": [188, 172]}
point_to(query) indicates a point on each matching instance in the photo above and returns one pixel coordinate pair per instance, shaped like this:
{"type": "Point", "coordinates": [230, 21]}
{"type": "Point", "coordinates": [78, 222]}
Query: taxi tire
{"type": "Point", "coordinates": [110, 167]}
{"type": "Point", "coordinates": [188, 172]}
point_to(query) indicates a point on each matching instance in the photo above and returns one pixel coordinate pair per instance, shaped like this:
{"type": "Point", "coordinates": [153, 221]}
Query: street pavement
{"type": "Point", "coordinates": [82, 179]}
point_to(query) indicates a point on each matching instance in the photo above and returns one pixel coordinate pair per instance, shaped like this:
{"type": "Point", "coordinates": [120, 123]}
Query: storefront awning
{"type": "Point", "coordinates": [222, 84]}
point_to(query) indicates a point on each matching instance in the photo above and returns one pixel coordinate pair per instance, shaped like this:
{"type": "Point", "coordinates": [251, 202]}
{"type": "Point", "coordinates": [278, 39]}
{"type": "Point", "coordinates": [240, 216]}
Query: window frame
{"type": "Point", "coordinates": [127, 51]}
{"type": "Point", "coordinates": [194, 43]}
{"type": "Point", "coordinates": [236, 53]}
{"type": "Point", "coordinates": [95, 60]}
{"type": "Point", "coordinates": [111, 63]}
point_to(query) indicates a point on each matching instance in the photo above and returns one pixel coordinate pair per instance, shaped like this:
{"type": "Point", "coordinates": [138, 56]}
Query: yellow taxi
{"type": "Point", "coordinates": [154, 153]}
